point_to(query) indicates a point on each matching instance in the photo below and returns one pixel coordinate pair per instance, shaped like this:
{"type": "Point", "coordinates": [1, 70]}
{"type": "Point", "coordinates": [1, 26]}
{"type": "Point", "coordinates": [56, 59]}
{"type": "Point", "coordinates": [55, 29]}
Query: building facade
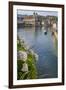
{"type": "Point", "coordinates": [36, 20]}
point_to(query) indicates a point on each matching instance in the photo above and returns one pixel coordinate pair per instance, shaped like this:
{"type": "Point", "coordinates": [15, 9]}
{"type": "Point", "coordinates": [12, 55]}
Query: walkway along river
{"type": "Point", "coordinates": [44, 43]}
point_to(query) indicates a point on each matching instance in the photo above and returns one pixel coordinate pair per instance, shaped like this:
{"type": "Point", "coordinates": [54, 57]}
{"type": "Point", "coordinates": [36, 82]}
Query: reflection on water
{"type": "Point", "coordinates": [45, 45]}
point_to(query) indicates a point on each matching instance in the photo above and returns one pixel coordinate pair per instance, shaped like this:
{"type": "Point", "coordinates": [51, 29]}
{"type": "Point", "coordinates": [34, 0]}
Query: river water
{"type": "Point", "coordinates": [44, 45]}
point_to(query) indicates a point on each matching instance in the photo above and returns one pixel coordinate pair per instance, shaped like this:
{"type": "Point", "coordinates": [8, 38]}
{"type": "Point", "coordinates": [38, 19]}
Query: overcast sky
{"type": "Point", "coordinates": [30, 12]}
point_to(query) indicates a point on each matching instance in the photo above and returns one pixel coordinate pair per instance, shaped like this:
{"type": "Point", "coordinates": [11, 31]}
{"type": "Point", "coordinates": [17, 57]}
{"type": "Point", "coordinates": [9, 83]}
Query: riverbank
{"type": "Point", "coordinates": [26, 61]}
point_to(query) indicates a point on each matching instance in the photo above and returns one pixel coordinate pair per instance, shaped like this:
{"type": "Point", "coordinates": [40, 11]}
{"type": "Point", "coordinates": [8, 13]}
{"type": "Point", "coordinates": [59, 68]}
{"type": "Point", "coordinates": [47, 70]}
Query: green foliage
{"type": "Point", "coordinates": [19, 64]}
{"type": "Point", "coordinates": [20, 47]}
{"type": "Point", "coordinates": [32, 72]}
{"type": "Point", "coordinates": [22, 75]}
{"type": "Point", "coordinates": [32, 67]}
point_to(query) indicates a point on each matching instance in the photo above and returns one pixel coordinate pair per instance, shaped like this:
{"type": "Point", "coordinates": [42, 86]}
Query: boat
{"type": "Point", "coordinates": [45, 32]}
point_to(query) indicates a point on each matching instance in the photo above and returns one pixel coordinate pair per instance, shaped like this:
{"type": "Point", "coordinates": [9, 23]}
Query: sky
{"type": "Point", "coordinates": [43, 13]}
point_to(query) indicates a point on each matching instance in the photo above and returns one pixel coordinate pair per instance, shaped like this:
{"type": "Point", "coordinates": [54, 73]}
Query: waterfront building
{"type": "Point", "coordinates": [36, 20]}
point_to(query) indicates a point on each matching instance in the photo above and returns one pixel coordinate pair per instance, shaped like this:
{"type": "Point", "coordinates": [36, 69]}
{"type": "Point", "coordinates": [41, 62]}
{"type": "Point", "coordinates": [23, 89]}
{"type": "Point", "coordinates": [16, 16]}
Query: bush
{"type": "Point", "coordinates": [31, 62]}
